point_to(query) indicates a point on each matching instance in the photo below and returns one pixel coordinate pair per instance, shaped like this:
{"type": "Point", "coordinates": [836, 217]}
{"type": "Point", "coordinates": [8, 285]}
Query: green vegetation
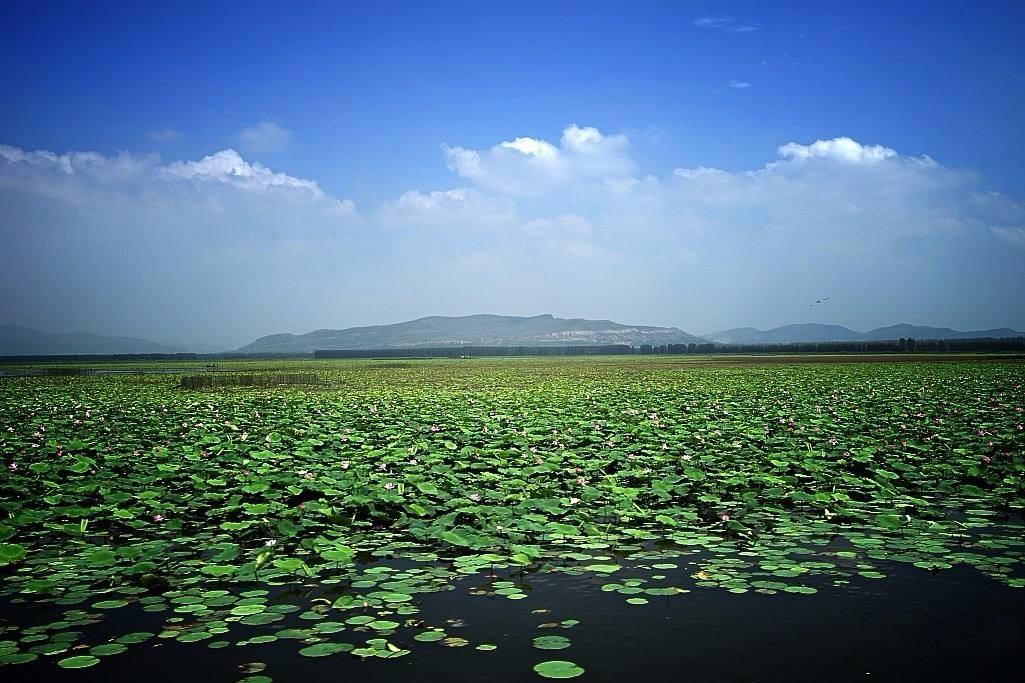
{"type": "Point", "coordinates": [385, 481]}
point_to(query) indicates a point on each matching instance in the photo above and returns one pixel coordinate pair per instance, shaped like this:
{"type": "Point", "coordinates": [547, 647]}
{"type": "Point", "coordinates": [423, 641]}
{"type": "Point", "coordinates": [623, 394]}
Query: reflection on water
{"type": "Point", "coordinates": [78, 371]}
{"type": "Point", "coordinates": [952, 625]}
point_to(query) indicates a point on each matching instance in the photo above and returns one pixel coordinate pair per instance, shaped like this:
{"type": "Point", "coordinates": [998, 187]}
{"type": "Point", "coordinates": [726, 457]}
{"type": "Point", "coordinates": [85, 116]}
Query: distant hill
{"type": "Point", "coordinates": [476, 330]}
{"type": "Point", "coordinates": [816, 332]}
{"type": "Point", "coordinates": [24, 341]}
{"type": "Point", "coordinates": [205, 348]}
{"type": "Point", "coordinates": [925, 332]}
{"type": "Point", "coordinates": [805, 332]}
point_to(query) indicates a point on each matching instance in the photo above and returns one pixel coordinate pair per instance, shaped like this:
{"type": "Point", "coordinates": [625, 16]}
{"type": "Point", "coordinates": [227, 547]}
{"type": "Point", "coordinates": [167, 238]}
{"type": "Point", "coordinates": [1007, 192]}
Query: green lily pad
{"type": "Point", "coordinates": [558, 669]}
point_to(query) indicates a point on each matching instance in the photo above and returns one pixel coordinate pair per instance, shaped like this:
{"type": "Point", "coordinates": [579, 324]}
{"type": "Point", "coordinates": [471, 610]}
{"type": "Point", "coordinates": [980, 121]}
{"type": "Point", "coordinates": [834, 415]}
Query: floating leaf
{"type": "Point", "coordinates": [558, 669]}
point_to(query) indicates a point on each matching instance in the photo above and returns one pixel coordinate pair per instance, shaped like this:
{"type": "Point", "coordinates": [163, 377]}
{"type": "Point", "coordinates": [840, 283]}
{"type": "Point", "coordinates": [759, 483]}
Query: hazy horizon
{"type": "Point", "coordinates": [701, 168]}
{"type": "Point", "coordinates": [701, 333]}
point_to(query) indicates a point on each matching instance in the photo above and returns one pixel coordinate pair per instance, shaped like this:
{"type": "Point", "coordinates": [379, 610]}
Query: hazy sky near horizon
{"type": "Point", "coordinates": [192, 173]}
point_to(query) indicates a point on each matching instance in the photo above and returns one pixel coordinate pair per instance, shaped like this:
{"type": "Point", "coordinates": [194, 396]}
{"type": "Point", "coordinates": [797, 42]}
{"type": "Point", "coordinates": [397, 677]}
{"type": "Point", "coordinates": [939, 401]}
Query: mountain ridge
{"type": "Point", "coordinates": [483, 329]}
{"type": "Point", "coordinates": [16, 340]}
{"type": "Point", "coordinates": [473, 330]}
{"type": "Point", "coordinates": [819, 332]}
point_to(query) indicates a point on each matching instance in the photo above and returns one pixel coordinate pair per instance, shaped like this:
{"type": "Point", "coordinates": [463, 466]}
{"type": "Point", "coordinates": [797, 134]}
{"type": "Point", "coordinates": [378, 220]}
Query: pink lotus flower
{"type": "Point", "coordinates": [158, 518]}
{"type": "Point", "coordinates": [475, 497]}
{"type": "Point", "coordinates": [725, 516]}
{"type": "Point", "coordinates": [13, 466]}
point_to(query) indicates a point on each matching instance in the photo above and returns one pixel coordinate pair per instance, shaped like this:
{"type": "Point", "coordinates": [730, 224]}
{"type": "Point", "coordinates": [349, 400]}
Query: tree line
{"type": "Point", "coordinates": [902, 345]}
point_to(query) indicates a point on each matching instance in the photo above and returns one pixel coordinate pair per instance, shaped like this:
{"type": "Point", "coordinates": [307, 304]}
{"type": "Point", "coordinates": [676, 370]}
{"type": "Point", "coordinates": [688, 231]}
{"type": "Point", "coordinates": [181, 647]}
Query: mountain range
{"type": "Point", "coordinates": [817, 332]}
{"type": "Point", "coordinates": [24, 341]}
{"type": "Point", "coordinates": [474, 330]}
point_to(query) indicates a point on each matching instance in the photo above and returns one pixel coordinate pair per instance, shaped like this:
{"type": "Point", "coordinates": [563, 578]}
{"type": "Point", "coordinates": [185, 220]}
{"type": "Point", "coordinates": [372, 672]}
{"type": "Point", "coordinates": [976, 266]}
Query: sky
{"type": "Point", "coordinates": [215, 172]}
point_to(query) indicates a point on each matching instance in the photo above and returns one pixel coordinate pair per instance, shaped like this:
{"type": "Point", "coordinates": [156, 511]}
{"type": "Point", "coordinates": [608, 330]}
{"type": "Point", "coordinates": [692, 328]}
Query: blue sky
{"type": "Point", "coordinates": [364, 99]}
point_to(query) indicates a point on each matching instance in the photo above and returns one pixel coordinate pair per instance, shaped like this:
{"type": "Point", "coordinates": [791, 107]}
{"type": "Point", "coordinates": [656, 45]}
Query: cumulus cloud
{"type": "Point", "coordinates": [123, 244]}
{"type": "Point", "coordinates": [265, 136]}
{"type": "Point", "coordinates": [459, 207]}
{"type": "Point", "coordinates": [90, 174]}
{"type": "Point", "coordinates": [857, 218]}
{"type": "Point", "coordinates": [20, 162]}
{"type": "Point", "coordinates": [838, 149]}
{"type": "Point", "coordinates": [567, 235]}
{"type": "Point", "coordinates": [227, 166]}
{"type": "Point", "coordinates": [229, 246]}
{"type": "Point", "coordinates": [530, 166]}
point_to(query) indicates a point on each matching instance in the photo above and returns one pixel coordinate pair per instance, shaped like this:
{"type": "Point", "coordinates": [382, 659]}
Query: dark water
{"type": "Point", "coordinates": [74, 372]}
{"type": "Point", "coordinates": [956, 625]}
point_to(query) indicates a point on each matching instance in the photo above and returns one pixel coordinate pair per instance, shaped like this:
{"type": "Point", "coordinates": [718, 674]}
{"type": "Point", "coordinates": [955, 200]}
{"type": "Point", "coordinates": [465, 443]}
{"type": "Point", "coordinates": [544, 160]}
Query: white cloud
{"type": "Point", "coordinates": [85, 174]}
{"type": "Point", "coordinates": [532, 148]}
{"type": "Point", "coordinates": [859, 219]}
{"type": "Point", "coordinates": [726, 24]}
{"type": "Point", "coordinates": [461, 208]}
{"type": "Point", "coordinates": [529, 225]}
{"type": "Point", "coordinates": [87, 164]}
{"type": "Point", "coordinates": [265, 136]}
{"type": "Point", "coordinates": [566, 224]}
{"type": "Point", "coordinates": [740, 85]}
{"type": "Point", "coordinates": [712, 22]}
{"type": "Point", "coordinates": [227, 166]}
{"type": "Point", "coordinates": [207, 243]}
{"type": "Point", "coordinates": [997, 208]}
{"type": "Point", "coordinates": [567, 235]}
{"type": "Point", "coordinates": [1015, 236]}
{"type": "Point", "coordinates": [166, 135]}
{"type": "Point", "coordinates": [839, 149]}
{"type": "Point", "coordinates": [530, 166]}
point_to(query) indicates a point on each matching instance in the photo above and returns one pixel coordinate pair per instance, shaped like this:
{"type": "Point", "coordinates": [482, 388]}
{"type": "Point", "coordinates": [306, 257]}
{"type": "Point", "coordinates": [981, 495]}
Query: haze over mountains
{"type": "Point", "coordinates": [817, 332]}
{"type": "Point", "coordinates": [474, 330]}
{"type": "Point", "coordinates": [24, 341]}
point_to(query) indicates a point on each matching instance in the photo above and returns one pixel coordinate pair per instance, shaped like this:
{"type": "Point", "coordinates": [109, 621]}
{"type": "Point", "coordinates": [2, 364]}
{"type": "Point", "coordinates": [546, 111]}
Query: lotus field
{"type": "Point", "coordinates": [318, 520]}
